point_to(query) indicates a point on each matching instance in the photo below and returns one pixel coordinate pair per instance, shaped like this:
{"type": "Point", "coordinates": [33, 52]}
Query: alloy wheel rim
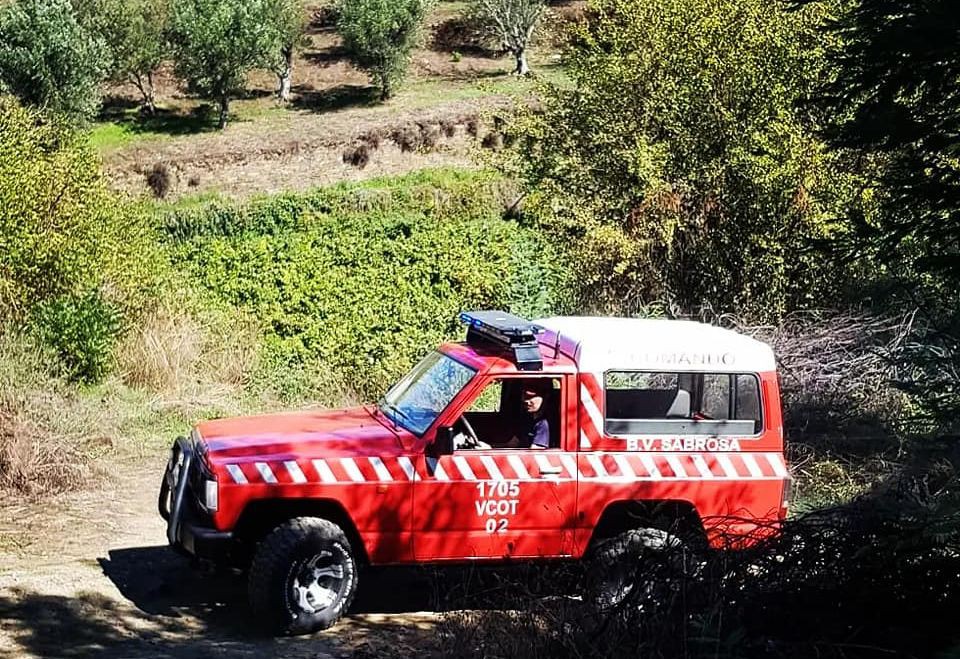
{"type": "Point", "coordinates": [317, 582]}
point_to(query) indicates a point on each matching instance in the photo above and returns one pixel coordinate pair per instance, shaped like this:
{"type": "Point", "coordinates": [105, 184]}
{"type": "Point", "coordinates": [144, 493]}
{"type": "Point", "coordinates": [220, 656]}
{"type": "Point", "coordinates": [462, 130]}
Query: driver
{"type": "Point", "coordinates": [534, 430]}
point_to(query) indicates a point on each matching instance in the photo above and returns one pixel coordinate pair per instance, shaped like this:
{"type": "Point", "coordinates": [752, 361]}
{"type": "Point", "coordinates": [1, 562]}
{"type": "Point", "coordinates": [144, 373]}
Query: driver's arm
{"type": "Point", "coordinates": [541, 435]}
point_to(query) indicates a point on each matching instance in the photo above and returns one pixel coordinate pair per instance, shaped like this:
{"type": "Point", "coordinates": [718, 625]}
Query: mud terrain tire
{"type": "Point", "coordinates": [303, 577]}
{"type": "Point", "coordinates": [617, 562]}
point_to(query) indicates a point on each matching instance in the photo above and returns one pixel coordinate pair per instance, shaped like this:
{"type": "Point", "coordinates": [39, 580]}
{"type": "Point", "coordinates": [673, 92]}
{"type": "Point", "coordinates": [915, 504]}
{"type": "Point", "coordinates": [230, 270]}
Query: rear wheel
{"type": "Point", "coordinates": [643, 566]}
{"type": "Point", "coordinates": [303, 576]}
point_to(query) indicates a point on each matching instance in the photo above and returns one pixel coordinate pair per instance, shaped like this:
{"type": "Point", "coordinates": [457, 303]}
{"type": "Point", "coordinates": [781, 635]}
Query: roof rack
{"type": "Point", "coordinates": [504, 332]}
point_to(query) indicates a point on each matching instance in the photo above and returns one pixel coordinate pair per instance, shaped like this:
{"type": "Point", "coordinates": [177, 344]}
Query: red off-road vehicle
{"type": "Point", "coordinates": [530, 441]}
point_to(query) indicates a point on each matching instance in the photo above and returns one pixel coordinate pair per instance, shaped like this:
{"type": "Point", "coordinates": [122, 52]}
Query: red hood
{"type": "Point", "coordinates": [354, 431]}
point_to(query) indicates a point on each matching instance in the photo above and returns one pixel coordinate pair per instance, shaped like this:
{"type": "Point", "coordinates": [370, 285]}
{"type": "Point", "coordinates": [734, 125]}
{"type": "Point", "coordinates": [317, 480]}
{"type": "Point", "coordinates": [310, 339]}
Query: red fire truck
{"type": "Point", "coordinates": [559, 438]}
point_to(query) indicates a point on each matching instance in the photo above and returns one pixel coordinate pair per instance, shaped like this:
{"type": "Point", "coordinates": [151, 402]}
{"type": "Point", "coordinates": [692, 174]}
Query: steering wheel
{"type": "Point", "coordinates": [471, 433]}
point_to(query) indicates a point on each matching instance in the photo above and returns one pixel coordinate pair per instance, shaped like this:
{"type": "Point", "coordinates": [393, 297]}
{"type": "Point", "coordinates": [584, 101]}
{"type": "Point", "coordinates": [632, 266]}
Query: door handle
{"type": "Point", "coordinates": [551, 471]}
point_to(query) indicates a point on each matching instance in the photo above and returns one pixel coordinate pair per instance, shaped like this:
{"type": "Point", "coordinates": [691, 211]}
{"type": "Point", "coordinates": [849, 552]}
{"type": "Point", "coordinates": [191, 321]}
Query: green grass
{"type": "Point", "coordinates": [123, 127]}
{"type": "Point", "coordinates": [126, 127]}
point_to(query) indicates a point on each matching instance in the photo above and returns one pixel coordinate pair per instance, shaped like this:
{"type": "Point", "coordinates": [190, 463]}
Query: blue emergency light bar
{"type": "Point", "coordinates": [503, 332]}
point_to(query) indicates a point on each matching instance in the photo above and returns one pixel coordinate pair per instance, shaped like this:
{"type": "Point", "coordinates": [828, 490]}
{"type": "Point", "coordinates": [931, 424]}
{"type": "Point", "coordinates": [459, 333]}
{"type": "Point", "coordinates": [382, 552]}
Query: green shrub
{"type": "Point", "coordinates": [356, 282]}
{"type": "Point", "coordinates": [82, 330]}
{"type": "Point", "coordinates": [62, 235]}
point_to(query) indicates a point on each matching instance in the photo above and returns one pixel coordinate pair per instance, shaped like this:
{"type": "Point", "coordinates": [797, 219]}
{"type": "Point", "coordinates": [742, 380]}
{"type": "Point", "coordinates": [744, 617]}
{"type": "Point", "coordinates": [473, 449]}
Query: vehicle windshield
{"type": "Point", "coordinates": [422, 394]}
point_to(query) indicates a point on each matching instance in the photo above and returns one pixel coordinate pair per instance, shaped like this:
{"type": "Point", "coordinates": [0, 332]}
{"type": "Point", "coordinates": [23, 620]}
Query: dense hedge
{"type": "Point", "coordinates": [361, 280]}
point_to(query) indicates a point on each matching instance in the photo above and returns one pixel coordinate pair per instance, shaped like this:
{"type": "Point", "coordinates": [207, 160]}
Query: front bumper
{"type": "Point", "coordinates": [178, 505]}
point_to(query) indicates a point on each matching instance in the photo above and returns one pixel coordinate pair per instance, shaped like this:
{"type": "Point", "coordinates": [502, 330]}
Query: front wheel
{"type": "Point", "coordinates": [303, 576]}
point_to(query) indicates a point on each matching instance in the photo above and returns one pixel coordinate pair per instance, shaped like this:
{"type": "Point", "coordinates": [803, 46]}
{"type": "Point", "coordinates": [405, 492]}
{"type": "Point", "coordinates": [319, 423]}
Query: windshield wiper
{"type": "Point", "coordinates": [393, 408]}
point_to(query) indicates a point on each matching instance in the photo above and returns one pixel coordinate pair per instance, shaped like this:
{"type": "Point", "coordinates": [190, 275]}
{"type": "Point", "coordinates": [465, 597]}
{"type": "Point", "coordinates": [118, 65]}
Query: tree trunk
{"type": "Point", "coordinates": [522, 67]}
{"type": "Point", "coordinates": [146, 91]}
{"type": "Point", "coordinates": [386, 91]}
{"type": "Point", "coordinates": [284, 78]}
{"type": "Point", "coordinates": [224, 110]}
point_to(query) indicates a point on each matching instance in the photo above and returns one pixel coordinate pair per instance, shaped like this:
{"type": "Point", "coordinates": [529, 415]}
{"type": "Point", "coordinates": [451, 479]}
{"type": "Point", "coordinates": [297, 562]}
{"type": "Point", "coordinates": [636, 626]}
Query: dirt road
{"type": "Point", "coordinates": [89, 574]}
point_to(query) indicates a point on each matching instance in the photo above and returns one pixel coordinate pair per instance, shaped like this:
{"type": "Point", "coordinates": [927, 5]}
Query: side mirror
{"type": "Point", "coordinates": [442, 444]}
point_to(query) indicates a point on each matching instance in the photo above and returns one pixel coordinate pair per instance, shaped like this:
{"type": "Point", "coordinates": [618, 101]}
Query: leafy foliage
{"type": "Point", "coordinates": [82, 330]}
{"type": "Point", "coordinates": [68, 250]}
{"type": "Point", "coordinates": [379, 35]}
{"type": "Point", "coordinates": [678, 160]}
{"type": "Point", "coordinates": [135, 35]}
{"type": "Point", "coordinates": [48, 59]}
{"type": "Point", "coordinates": [61, 231]}
{"type": "Point", "coordinates": [895, 101]}
{"type": "Point", "coordinates": [217, 42]}
{"type": "Point", "coordinates": [363, 280]}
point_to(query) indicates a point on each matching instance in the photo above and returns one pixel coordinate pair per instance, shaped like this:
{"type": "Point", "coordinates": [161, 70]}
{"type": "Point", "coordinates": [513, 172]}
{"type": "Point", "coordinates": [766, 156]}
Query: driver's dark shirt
{"type": "Point", "coordinates": [535, 431]}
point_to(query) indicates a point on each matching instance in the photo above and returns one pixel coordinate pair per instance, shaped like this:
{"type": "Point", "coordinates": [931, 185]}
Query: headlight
{"type": "Point", "coordinates": [210, 495]}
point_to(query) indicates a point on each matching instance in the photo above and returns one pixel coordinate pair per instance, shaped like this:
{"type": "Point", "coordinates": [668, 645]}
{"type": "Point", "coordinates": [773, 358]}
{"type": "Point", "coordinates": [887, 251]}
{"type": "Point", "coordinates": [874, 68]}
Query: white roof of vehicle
{"type": "Point", "coordinates": [600, 344]}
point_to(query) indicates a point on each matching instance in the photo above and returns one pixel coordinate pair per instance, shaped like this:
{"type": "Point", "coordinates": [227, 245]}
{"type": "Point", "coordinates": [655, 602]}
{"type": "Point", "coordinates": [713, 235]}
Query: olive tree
{"type": "Point", "coordinates": [48, 59]}
{"type": "Point", "coordinates": [289, 23]}
{"type": "Point", "coordinates": [379, 35]}
{"type": "Point", "coordinates": [217, 42]}
{"type": "Point", "coordinates": [135, 36]}
{"type": "Point", "coordinates": [513, 23]}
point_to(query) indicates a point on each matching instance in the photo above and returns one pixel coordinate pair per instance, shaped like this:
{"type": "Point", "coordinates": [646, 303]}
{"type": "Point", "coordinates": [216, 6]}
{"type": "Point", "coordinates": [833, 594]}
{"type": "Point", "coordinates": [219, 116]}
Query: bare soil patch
{"type": "Point", "coordinates": [298, 151]}
{"type": "Point", "coordinates": [268, 148]}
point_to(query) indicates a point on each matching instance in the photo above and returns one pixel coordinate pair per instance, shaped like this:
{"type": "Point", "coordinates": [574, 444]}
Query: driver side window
{"type": "Point", "coordinates": [512, 413]}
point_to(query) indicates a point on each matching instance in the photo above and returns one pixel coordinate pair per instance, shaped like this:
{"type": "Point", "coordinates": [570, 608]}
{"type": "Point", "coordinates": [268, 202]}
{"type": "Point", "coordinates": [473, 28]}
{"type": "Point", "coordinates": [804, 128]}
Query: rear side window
{"type": "Point", "coordinates": [643, 403]}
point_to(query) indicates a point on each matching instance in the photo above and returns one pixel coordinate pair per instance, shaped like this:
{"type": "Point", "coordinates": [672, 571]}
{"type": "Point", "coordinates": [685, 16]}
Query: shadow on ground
{"type": "Point", "coordinates": [335, 98]}
{"type": "Point", "coordinates": [171, 608]}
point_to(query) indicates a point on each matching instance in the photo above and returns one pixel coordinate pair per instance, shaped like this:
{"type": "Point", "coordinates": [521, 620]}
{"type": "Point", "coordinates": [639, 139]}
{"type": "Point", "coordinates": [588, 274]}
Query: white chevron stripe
{"type": "Point", "coordinates": [465, 471]}
{"type": "Point", "coordinates": [597, 465]}
{"type": "Point", "coordinates": [676, 466]}
{"type": "Point", "coordinates": [382, 472]}
{"type": "Point", "coordinates": [236, 473]}
{"type": "Point", "coordinates": [353, 471]}
{"type": "Point", "coordinates": [584, 440]}
{"type": "Point", "coordinates": [519, 468]}
{"type": "Point", "coordinates": [570, 463]}
{"type": "Point", "coordinates": [752, 466]}
{"type": "Point", "coordinates": [492, 468]}
{"type": "Point", "coordinates": [440, 473]}
{"type": "Point", "coordinates": [323, 470]}
{"type": "Point", "coordinates": [295, 472]}
{"type": "Point", "coordinates": [777, 463]}
{"type": "Point", "coordinates": [701, 466]}
{"type": "Point", "coordinates": [408, 468]}
{"type": "Point", "coordinates": [727, 466]}
{"type": "Point", "coordinates": [590, 406]}
{"type": "Point", "coordinates": [626, 468]}
{"type": "Point", "coordinates": [651, 466]}
{"type": "Point", "coordinates": [266, 473]}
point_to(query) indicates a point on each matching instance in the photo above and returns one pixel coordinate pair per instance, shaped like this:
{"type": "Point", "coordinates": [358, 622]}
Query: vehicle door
{"type": "Point", "coordinates": [499, 501]}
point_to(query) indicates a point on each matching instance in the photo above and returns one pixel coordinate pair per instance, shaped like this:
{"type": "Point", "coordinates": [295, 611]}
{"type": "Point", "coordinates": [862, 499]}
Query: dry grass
{"type": "Point", "coordinates": [44, 430]}
{"type": "Point", "coordinates": [174, 352]}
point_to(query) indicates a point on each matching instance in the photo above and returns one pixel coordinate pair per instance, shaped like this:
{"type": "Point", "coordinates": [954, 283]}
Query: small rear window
{"type": "Point", "coordinates": [642, 402]}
